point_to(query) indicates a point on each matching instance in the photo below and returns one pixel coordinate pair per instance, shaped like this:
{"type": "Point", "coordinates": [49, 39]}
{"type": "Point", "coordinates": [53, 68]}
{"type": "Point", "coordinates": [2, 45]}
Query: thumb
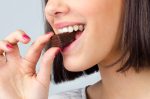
{"type": "Point", "coordinates": [45, 68]}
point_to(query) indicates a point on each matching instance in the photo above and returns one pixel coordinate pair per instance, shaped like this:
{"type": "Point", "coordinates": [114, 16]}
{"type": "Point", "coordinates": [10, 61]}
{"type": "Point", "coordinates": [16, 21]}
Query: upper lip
{"type": "Point", "coordinates": [65, 24]}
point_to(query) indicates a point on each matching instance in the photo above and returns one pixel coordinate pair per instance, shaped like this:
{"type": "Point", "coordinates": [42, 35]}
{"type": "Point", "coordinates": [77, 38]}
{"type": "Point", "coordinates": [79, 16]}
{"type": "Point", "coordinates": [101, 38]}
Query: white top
{"type": "Point", "coordinates": [73, 94]}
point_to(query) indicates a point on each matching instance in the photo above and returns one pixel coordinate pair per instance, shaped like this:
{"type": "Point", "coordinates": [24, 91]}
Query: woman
{"type": "Point", "coordinates": [115, 36]}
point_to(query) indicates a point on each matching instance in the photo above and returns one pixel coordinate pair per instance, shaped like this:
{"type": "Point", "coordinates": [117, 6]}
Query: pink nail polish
{"type": "Point", "coordinates": [26, 36]}
{"type": "Point", "coordinates": [9, 46]}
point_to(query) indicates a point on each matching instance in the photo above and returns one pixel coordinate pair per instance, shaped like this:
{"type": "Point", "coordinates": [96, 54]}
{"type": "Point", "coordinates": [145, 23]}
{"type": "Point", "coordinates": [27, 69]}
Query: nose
{"type": "Point", "coordinates": [56, 8]}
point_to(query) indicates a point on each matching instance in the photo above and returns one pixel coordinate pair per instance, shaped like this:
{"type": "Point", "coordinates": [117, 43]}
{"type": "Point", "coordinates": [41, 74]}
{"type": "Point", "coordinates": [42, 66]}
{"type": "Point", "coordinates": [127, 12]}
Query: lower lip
{"type": "Point", "coordinates": [73, 44]}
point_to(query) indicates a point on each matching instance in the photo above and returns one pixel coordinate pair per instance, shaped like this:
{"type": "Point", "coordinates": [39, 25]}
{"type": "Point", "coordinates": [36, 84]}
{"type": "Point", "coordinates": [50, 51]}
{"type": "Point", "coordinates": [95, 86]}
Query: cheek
{"type": "Point", "coordinates": [100, 37]}
{"type": "Point", "coordinates": [102, 34]}
{"type": "Point", "coordinates": [95, 7]}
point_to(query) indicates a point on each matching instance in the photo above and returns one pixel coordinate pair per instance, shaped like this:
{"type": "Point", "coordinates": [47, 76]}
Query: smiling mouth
{"type": "Point", "coordinates": [71, 29]}
{"type": "Point", "coordinates": [66, 36]}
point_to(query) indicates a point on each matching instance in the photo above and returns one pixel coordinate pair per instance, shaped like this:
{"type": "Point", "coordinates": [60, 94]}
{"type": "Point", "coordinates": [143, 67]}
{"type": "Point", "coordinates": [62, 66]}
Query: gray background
{"type": "Point", "coordinates": [27, 15]}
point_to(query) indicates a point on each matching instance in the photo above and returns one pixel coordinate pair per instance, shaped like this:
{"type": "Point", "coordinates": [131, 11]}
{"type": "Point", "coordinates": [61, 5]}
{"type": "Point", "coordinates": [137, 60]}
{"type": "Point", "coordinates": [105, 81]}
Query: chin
{"type": "Point", "coordinates": [73, 67]}
{"type": "Point", "coordinates": [76, 65]}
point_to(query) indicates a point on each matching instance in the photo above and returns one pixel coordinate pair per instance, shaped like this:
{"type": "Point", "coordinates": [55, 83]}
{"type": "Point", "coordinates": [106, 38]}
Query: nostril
{"type": "Point", "coordinates": [57, 13]}
{"type": "Point", "coordinates": [54, 13]}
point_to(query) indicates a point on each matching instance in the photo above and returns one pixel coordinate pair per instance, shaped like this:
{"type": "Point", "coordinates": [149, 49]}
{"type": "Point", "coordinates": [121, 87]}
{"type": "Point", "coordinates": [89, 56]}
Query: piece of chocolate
{"type": "Point", "coordinates": [62, 40]}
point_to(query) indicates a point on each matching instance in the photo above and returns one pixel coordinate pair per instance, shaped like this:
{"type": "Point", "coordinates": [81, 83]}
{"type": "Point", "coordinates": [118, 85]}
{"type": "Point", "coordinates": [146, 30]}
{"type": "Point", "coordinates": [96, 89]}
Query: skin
{"type": "Point", "coordinates": [100, 45]}
{"type": "Point", "coordinates": [19, 80]}
{"type": "Point", "coordinates": [102, 19]}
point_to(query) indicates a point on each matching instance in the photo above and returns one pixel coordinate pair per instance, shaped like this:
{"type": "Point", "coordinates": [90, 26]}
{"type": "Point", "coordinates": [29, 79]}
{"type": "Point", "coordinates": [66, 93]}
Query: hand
{"type": "Point", "coordinates": [18, 77]}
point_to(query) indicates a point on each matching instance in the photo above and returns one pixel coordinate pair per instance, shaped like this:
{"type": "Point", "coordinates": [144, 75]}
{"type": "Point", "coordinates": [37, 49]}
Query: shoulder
{"type": "Point", "coordinates": [72, 94]}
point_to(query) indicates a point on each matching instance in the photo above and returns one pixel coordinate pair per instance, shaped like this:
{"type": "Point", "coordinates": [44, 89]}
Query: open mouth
{"type": "Point", "coordinates": [74, 32]}
{"type": "Point", "coordinates": [67, 35]}
{"type": "Point", "coordinates": [72, 29]}
{"type": "Point", "coordinates": [75, 29]}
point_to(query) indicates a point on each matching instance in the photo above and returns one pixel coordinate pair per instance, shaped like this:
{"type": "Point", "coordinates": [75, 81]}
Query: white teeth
{"type": "Point", "coordinates": [65, 30]}
{"type": "Point", "coordinates": [75, 27]}
{"type": "Point", "coordinates": [60, 31]}
{"type": "Point", "coordinates": [81, 27]}
{"type": "Point", "coordinates": [70, 29]}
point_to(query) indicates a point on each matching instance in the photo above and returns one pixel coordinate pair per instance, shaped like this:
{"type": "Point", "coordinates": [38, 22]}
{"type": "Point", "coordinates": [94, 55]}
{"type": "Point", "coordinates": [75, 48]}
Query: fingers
{"type": "Point", "coordinates": [13, 39]}
{"type": "Point", "coordinates": [36, 48]}
{"type": "Point", "coordinates": [5, 46]}
{"type": "Point", "coordinates": [34, 52]}
{"type": "Point", "coordinates": [18, 36]}
{"type": "Point", "coordinates": [45, 69]}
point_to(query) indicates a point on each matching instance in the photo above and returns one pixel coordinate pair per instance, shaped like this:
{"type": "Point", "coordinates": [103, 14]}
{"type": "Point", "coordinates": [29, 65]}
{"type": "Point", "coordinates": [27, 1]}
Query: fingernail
{"type": "Point", "coordinates": [9, 46]}
{"type": "Point", "coordinates": [26, 36]}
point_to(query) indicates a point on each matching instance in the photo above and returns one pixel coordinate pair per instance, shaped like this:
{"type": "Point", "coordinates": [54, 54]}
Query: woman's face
{"type": "Point", "coordinates": [98, 43]}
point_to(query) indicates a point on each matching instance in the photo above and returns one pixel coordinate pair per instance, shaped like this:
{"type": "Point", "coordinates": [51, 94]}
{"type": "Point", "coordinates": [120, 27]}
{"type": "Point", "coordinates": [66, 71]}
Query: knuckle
{"type": "Point", "coordinates": [19, 31]}
{"type": "Point", "coordinates": [16, 36]}
{"type": "Point", "coordinates": [11, 37]}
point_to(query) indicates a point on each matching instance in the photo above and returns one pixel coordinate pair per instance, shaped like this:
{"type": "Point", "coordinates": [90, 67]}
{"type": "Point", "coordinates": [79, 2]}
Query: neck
{"type": "Point", "coordinates": [127, 85]}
